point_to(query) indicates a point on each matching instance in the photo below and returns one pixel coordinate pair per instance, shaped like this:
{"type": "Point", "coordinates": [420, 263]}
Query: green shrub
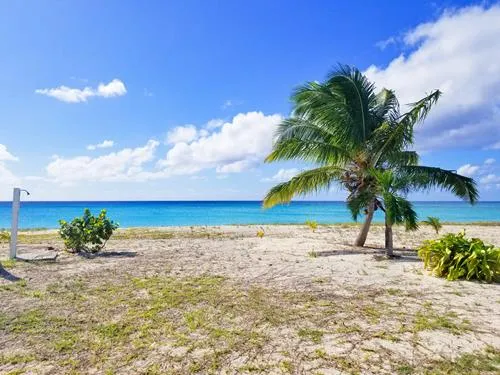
{"type": "Point", "coordinates": [260, 233]}
{"type": "Point", "coordinates": [4, 236]}
{"type": "Point", "coordinates": [87, 233]}
{"type": "Point", "coordinates": [312, 224]}
{"type": "Point", "coordinates": [456, 257]}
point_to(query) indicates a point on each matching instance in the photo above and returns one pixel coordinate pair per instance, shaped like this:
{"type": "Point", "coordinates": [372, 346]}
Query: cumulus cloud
{"type": "Point", "coordinates": [494, 146]}
{"type": "Point", "coordinates": [489, 179]}
{"type": "Point", "coordinates": [455, 54]}
{"type": "Point", "coordinates": [232, 147]}
{"type": "Point", "coordinates": [124, 165]}
{"type": "Point", "coordinates": [488, 173]}
{"type": "Point", "coordinates": [383, 44]}
{"type": "Point", "coordinates": [186, 133]}
{"type": "Point", "coordinates": [6, 155]}
{"type": "Point", "coordinates": [103, 144]}
{"type": "Point", "coordinates": [282, 175]}
{"type": "Point", "coordinates": [468, 170]}
{"type": "Point", "coordinates": [7, 177]}
{"type": "Point", "coordinates": [73, 95]}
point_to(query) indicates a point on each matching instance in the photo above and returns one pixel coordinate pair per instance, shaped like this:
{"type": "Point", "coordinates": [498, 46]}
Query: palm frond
{"type": "Point", "coordinates": [387, 104]}
{"type": "Point", "coordinates": [311, 181]}
{"type": "Point", "coordinates": [359, 98]}
{"type": "Point", "coordinates": [399, 210]}
{"type": "Point", "coordinates": [420, 109]}
{"type": "Point", "coordinates": [425, 178]}
{"type": "Point", "coordinates": [309, 151]}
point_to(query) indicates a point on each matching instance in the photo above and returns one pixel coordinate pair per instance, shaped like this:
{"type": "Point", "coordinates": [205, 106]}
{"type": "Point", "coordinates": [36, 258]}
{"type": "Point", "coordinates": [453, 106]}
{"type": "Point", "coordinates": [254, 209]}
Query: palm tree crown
{"type": "Point", "coordinates": [354, 135]}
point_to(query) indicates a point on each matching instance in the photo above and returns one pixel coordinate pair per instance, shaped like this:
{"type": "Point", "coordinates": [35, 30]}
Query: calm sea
{"type": "Point", "coordinates": [147, 214]}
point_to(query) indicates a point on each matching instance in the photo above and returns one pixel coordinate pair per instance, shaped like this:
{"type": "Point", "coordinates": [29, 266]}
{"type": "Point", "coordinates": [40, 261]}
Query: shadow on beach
{"type": "Point", "coordinates": [108, 254]}
{"type": "Point", "coordinates": [402, 255]}
{"type": "Point", "coordinates": [4, 274]}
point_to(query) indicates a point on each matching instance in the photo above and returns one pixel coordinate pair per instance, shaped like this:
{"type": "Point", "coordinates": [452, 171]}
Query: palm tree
{"type": "Point", "coordinates": [433, 222]}
{"type": "Point", "coordinates": [348, 130]}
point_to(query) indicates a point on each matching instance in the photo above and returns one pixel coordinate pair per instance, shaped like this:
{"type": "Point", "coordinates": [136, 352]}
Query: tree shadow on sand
{"type": "Point", "coordinates": [401, 255]}
{"type": "Point", "coordinates": [4, 274]}
{"type": "Point", "coordinates": [108, 254]}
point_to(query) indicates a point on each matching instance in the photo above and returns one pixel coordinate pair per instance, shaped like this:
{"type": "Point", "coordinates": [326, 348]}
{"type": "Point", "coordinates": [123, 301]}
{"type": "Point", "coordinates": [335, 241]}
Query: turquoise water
{"type": "Point", "coordinates": [146, 214]}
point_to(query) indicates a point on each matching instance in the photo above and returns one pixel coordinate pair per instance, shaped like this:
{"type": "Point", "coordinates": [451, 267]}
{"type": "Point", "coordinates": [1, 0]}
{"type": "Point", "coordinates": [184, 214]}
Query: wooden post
{"type": "Point", "coordinates": [15, 221]}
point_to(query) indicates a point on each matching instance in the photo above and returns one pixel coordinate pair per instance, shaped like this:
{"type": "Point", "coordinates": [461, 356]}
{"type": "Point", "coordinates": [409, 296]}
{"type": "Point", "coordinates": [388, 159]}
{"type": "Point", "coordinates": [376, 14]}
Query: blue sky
{"type": "Point", "coordinates": [179, 99]}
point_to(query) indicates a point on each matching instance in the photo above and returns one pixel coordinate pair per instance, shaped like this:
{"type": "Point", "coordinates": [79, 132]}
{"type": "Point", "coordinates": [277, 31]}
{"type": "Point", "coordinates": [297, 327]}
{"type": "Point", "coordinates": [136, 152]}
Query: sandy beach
{"type": "Point", "coordinates": [294, 301]}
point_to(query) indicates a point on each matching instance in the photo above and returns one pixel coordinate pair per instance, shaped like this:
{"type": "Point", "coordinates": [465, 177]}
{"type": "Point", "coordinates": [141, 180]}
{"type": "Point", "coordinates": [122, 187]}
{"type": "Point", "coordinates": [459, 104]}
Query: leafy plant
{"type": "Point", "coordinates": [4, 236]}
{"type": "Point", "coordinates": [434, 223]}
{"type": "Point", "coordinates": [455, 257]}
{"type": "Point", "coordinates": [88, 233]}
{"type": "Point", "coordinates": [312, 224]}
{"type": "Point", "coordinates": [260, 233]}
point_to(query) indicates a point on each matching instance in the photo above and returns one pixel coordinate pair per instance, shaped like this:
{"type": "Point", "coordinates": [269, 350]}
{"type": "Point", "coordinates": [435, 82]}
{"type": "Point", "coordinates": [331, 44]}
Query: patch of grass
{"type": "Point", "coordinates": [18, 358]}
{"type": "Point", "coordinates": [8, 263]}
{"type": "Point", "coordinates": [286, 367]}
{"type": "Point", "coordinates": [429, 320]}
{"type": "Point", "coordinates": [314, 335]}
{"type": "Point", "coordinates": [312, 254]}
{"type": "Point", "coordinates": [468, 364]}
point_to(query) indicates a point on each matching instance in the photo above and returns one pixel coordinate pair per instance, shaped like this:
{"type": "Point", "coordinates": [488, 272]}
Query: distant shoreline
{"type": "Point", "coordinates": [350, 224]}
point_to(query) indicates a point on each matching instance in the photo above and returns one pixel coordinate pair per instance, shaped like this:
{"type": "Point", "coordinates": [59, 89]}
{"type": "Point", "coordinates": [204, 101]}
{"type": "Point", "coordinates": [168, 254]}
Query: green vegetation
{"type": "Point", "coordinates": [4, 236]}
{"type": "Point", "coordinates": [260, 233]}
{"type": "Point", "coordinates": [434, 222]}
{"type": "Point", "coordinates": [88, 233]}
{"type": "Point", "coordinates": [455, 257]}
{"type": "Point", "coordinates": [199, 324]}
{"type": "Point", "coordinates": [312, 224]}
{"type": "Point", "coordinates": [359, 139]}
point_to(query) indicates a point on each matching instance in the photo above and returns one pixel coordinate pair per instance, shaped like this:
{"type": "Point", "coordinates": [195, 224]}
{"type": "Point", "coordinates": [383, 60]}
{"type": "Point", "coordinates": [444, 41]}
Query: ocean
{"type": "Point", "coordinates": [175, 213]}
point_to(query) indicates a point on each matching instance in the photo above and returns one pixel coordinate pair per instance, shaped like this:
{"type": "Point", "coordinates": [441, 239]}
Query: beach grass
{"type": "Point", "coordinates": [164, 325]}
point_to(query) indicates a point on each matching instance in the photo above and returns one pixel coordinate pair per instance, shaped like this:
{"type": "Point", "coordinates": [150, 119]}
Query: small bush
{"type": "Point", "coordinates": [260, 233]}
{"type": "Point", "coordinates": [456, 257]}
{"type": "Point", "coordinates": [87, 233]}
{"type": "Point", "coordinates": [312, 224]}
{"type": "Point", "coordinates": [4, 236]}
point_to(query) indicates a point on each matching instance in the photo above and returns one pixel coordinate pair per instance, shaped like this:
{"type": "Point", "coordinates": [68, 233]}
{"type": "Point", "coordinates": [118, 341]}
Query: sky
{"type": "Point", "coordinates": [179, 100]}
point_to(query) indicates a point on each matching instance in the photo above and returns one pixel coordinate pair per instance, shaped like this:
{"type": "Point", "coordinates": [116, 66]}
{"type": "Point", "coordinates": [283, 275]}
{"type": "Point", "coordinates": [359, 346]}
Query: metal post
{"type": "Point", "coordinates": [15, 219]}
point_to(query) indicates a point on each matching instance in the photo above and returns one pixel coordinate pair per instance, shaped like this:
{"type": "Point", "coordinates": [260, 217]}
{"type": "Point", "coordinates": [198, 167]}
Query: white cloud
{"type": "Point", "coordinates": [282, 175]}
{"type": "Point", "coordinates": [73, 95]}
{"type": "Point", "coordinates": [230, 103]}
{"type": "Point", "coordinates": [6, 155]}
{"type": "Point", "coordinates": [103, 144]}
{"type": "Point", "coordinates": [186, 133]}
{"type": "Point", "coordinates": [383, 44]}
{"type": "Point", "coordinates": [214, 124]}
{"type": "Point", "coordinates": [489, 161]}
{"type": "Point", "coordinates": [494, 146]}
{"type": "Point", "coordinates": [7, 177]}
{"type": "Point", "coordinates": [489, 179]}
{"type": "Point", "coordinates": [236, 167]}
{"type": "Point", "coordinates": [468, 170]}
{"type": "Point", "coordinates": [233, 147]}
{"type": "Point", "coordinates": [457, 54]}
{"type": "Point", "coordinates": [124, 165]}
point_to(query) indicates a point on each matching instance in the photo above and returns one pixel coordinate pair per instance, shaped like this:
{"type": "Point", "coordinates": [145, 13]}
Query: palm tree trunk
{"type": "Point", "coordinates": [389, 246]}
{"type": "Point", "coordinates": [361, 239]}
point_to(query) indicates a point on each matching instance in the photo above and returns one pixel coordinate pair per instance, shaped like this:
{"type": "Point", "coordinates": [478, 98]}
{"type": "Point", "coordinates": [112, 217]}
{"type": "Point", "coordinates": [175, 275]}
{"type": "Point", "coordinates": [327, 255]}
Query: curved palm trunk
{"type": "Point", "coordinates": [389, 246]}
{"type": "Point", "coordinates": [361, 239]}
